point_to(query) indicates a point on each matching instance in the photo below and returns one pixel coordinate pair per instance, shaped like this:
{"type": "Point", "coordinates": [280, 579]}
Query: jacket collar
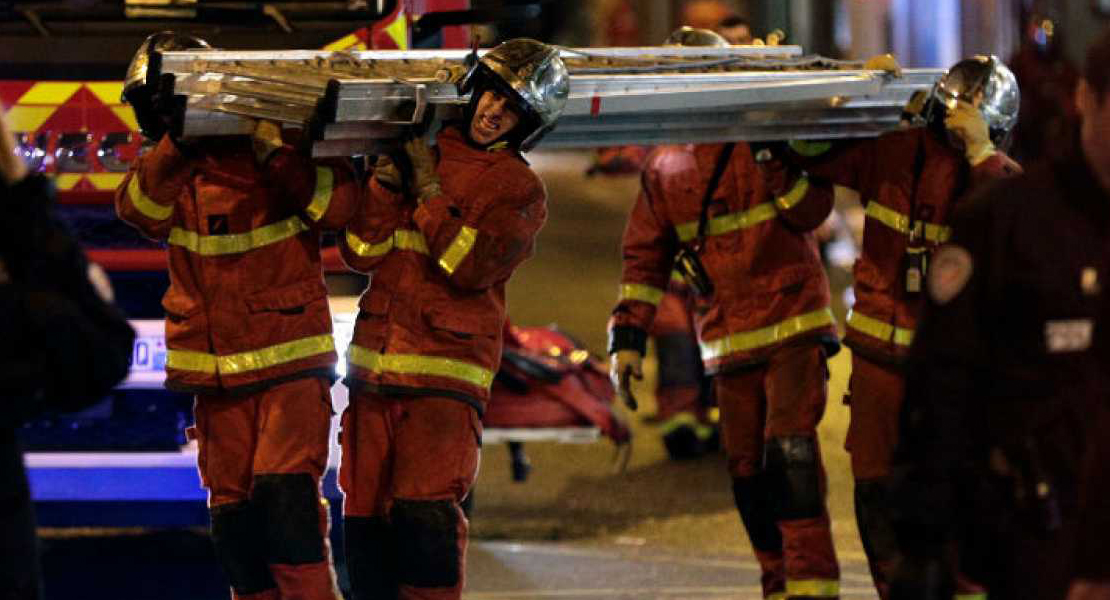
{"type": "Point", "coordinates": [454, 142]}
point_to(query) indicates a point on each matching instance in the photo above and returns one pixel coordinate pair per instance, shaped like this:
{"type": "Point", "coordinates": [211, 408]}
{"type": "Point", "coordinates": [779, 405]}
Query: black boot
{"type": "Point", "coordinates": [877, 532]}
{"type": "Point", "coordinates": [371, 566]}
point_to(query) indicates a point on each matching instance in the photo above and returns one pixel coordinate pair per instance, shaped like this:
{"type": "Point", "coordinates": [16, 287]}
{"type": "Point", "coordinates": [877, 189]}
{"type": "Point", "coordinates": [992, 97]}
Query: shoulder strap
{"type": "Point", "coordinates": [718, 170]}
{"type": "Point", "coordinates": [918, 169]}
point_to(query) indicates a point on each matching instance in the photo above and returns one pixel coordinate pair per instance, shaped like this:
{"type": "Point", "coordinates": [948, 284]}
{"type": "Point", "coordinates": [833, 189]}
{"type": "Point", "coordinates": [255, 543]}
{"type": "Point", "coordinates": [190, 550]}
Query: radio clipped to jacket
{"type": "Point", "coordinates": [689, 266]}
{"type": "Point", "coordinates": [914, 265]}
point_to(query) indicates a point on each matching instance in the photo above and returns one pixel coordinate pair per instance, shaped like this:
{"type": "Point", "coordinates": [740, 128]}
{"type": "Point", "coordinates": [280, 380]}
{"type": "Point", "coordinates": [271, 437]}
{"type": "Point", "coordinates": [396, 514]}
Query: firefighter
{"type": "Point", "coordinates": [740, 233]}
{"type": "Point", "coordinates": [736, 30]}
{"type": "Point", "coordinates": [441, 243]}
{"type": "Point", "coordinates": [1008, 400]}
{"type": "Point", "coordinates": [683, 394]}
{"type": "Point", "coordinates": [248, 328]}
{"type": "Point", "coordinates": [910, 180]}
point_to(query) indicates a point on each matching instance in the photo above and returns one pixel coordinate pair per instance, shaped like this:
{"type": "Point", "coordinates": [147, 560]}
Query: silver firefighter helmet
{"type": "Point", "coordinates": [692, 36]}
{"type": "Point", "coordinates": [532, 75]}
{"type": "Point", "coordinates": [139, 92]}
{"type": "Point", "coordinates": [988, 82]}
{"type": "Point", "coordinates": [156, 42]}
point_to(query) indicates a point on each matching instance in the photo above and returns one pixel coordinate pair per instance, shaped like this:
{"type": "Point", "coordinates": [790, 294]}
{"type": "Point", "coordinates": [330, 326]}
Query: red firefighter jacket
{"type": "Point", "coordinates": [770, 286]}
{"type": "Point", "coordinates": [431, 320]}
{"type": "Point", "coordinates": [246, 306]}
{"type": "Point", "coordinates": [909, 182]}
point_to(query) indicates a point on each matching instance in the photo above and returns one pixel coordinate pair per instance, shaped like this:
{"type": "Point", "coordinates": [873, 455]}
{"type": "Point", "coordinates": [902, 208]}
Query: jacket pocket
{"type": "Point", "coordinates": [462, 324]}
{"type": "Point", "coordinates": [179, 306]}
{"type": "Point", "coordinates": [287, 299]}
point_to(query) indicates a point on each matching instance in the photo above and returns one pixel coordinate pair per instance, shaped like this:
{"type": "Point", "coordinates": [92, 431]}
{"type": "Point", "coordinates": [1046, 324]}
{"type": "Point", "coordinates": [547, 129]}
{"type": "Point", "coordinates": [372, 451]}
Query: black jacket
{"type": "Point", "coordinates": [1009, 379]}
{"type": "Point", "coordinates": [61, 346]}
{"type": "Point", "coordinates": [61, 349]}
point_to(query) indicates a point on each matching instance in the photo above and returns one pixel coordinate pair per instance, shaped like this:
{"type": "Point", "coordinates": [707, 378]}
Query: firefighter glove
{"type": "Point", "coordinates": [884, 62]}
{"type": "Point", "coordinates": [423, 158]}
{"type": "Point", "coordinates": [967, 123]}
{"type": "Point", "coordinates": [385, 171]}
{"type": "Point", "coordinates": [266, 139]}
{"type": "Point", "coordinates": [626, 365]}
{"type": "Point", "coordinates": [777, 176]}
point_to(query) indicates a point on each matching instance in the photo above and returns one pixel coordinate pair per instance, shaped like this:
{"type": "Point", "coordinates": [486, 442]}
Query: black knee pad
{"type": "Point", "coordinates": [371, 565]}
{"type": "Point", "coordinates": [792, 463]}
{"type": "Point", "coordinates": [427, 542]}
{"type": "Point", "coordinates": [292, 516]}
{"type": "Point", "coordinates": [239, 537]}
{"type": "Point", "coordinates": [755, 501]}
{"type": "Point", "coordinates": [874, 519]}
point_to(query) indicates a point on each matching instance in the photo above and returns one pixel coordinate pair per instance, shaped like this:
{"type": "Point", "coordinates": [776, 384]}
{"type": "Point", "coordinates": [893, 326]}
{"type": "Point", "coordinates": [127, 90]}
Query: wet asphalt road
{"type": "Point", "coordinates": [179, 565]}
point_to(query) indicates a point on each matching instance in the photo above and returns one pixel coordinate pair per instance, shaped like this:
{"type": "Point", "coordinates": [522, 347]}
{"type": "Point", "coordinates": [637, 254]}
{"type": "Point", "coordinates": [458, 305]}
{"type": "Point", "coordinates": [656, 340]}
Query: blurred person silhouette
{"type": "Point", "coordinates": [735, 29]}
{"type": "Point", "coordinates": [1048, 119]}
{"type": "Point", "coordinates": [1004, 451]}
{"type": "Point", "coordinates": [63, 345]}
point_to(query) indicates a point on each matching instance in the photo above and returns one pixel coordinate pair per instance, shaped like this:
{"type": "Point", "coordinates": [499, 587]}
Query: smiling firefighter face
{"type": "Point", "coordinates": [494, 116]}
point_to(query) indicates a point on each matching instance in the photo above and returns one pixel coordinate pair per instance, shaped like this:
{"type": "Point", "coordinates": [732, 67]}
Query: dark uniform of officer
{"type": "Point", "coordinates": [1006, 458]}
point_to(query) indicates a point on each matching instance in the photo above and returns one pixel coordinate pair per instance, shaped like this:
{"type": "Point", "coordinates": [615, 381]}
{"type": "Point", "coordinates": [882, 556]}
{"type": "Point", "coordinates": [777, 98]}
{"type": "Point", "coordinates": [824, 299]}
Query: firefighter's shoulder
{"type": "Point", "coordinates": [671, 159]}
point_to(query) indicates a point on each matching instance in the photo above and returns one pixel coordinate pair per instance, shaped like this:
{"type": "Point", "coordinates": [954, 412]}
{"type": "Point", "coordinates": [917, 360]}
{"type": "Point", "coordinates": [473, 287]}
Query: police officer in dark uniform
{"type": "Point", "coordinates": [1005, 461]}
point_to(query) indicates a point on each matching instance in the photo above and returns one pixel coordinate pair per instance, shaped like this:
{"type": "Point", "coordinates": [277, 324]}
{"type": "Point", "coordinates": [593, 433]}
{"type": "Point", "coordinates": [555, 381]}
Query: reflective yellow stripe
{"type": "Point", "coordinates": [187, 360]}
{"type": "Point", "coordinates": [973, 596]}
{"type": "Point", "coordinates": [677, 277]}
{"type": "Point", "coordinates": [813, 588]}
{"type": "Point", "coordinates": [232, 364]}
{"type": "Point", "coordinates": [402, 239]}
{"type": "Point", "coordinates": [809, 148]}
{"type": "Point", "coordinates": [144, 204]}
{"type": "Point", "coordinates": [643, 293]}
{"type": "Point", "coordinates": [212, 245]}
{"type": "Point", "coordinates": [794, 196]}
{"type": "Point", "coordinates": [875, 328]}
{"type": "Point", "coordinates": [321, 197]}
{"type": "Point", "coordinates": [777, 596]}
{"type": "Point", "coordinates": [458, 249]}
{"type": "Point", "coordinates": [275, 355]}
{"type": "Point", "coordinates": [366, 249]}
{"type": "Point", "coordinates": [728, 223]}
{"type": "Point", "coordinates": [414, 364]}
{"type": "Point", "coordinates": [901, 223]}
{"type": "Point", "coordinates": [757, 338]}
{"type": "Point", "coordinates": [406, 239]}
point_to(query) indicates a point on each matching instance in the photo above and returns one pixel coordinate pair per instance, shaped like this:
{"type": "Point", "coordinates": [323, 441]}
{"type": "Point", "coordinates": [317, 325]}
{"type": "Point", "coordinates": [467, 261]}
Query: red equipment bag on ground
{"type": "Point", "coordinates": [547, 379]}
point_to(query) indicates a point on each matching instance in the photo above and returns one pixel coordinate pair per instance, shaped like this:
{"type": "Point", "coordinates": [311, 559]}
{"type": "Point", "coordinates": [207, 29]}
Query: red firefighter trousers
{"type": "Point", "coordinates": [407, 451]}
{"type": "Point", "coordinates": [282, 430]}
{"type": "Point", "coordinates": [877, 394]}
{"type": "Point", "coordinates": [785, 397]}
{"type": "Point", "coordinates": [876, 402]}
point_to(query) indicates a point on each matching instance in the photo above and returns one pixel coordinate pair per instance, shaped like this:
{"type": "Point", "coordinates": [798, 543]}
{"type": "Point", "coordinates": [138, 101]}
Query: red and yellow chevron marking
{"type": "Point", "coordinates": [34, 104]}
{"type": "Point", "coordinates": [48, 110]}
{"type": "Point", "coordinates": [354, 41]}
{"type": "Point", "coordinates": [390, 33]}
